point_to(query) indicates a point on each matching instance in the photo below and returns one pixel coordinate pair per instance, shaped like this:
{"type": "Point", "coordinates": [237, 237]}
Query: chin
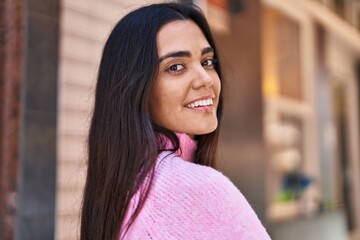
{"type": "Point", "coordinates": [204, 131]}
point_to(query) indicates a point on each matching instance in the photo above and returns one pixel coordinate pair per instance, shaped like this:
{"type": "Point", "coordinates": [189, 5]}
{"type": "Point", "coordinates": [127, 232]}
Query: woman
{"type": "Point", "coordinates": [154, 132]}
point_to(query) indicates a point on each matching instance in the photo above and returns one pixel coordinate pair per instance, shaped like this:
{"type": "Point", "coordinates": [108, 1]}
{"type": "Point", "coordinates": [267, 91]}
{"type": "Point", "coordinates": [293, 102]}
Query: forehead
{"type": "Point", "coordinates": [180, 35]}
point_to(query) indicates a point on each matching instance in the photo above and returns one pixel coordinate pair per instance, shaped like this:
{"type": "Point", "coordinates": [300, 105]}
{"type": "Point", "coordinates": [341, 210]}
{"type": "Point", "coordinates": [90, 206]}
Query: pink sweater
{"type": "Point", "coordinates": [190, 201]}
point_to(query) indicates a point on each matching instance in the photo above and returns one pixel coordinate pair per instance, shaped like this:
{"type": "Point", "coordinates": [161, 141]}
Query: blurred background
{"type": "Point", "coordinates": [290, 136]}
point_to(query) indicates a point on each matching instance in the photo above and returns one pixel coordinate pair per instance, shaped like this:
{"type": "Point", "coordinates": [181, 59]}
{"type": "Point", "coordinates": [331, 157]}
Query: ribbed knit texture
{"type": "Point", "coordinates": [193, 202]}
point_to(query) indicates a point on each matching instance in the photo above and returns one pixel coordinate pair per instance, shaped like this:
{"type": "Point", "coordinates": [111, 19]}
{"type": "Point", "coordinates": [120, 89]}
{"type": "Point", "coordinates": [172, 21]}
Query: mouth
{"type": "Point", "coordinates": [201, 103]}
{"type": "Point", "coordinates": [204, 105]}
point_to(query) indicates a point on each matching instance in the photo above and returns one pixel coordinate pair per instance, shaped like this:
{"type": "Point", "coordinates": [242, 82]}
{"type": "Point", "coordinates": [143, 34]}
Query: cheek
{"type": "Point", "coordinates": [160, 103]}
{"type": "Point", "coordinates": [155, 105]}
{"type": "Point", "coordinates": [153, 101]}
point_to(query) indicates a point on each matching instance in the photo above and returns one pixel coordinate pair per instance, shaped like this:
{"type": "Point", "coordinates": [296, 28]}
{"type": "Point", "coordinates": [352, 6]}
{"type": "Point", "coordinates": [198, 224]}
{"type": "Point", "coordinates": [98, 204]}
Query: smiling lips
{"type": "Point", "coordinates": [205, 105]}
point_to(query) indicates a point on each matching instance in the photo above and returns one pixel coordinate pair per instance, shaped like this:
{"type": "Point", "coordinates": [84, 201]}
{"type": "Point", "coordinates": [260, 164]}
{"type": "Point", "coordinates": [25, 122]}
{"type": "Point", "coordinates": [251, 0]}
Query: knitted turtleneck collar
{"type": "Point", "coordinates": [187, 146]}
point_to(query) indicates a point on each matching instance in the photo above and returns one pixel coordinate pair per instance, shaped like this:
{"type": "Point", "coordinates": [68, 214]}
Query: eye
{"type": "Point", "coordinates": [209, 63]}
{"type": "Point", "coordinates": [175, 68]}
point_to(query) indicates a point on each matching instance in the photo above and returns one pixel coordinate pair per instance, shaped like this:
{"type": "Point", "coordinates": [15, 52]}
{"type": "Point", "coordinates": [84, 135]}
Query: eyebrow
{"type": "Point", "coordinates": [185, 53]}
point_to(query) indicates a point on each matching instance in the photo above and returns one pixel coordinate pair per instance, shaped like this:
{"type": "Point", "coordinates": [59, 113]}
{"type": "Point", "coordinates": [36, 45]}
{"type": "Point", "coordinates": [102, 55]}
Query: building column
{"type": "Point", "coordinates": [29, 36]}
{"type": "Point", "coordinates": [11, 77]}
{"type": "Point", "coordinates": [37, 172]}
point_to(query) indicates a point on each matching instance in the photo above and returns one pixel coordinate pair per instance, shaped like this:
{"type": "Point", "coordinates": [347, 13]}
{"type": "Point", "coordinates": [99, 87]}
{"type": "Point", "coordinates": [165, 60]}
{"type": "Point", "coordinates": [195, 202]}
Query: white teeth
{"type": "Point", "coordinates": [206, 102]}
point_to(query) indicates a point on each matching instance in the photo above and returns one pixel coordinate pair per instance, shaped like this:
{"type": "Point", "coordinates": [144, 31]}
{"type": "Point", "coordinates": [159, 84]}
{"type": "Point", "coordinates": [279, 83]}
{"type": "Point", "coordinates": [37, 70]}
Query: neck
{"type": "Point", "coordinates": [187, 146]}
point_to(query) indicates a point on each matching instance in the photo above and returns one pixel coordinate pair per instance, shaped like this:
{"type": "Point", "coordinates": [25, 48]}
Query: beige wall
{"type": "Point", "coordinates": [85, 25]}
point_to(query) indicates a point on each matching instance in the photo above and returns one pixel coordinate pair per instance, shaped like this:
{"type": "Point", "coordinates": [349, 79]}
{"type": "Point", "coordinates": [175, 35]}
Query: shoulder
{"type": "Point", "coordinates": [192, 181]}
{"type": "Point", "coordinates": [189, 193]}
{"type": "Point", "coordinates": [200, 199]}
{"type": "Point", "coordinates": [172, 166]}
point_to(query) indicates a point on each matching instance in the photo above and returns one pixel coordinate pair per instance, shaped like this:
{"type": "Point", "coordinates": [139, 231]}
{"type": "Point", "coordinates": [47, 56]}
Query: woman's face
{"type": "Point", "coordinates": [186, 92]}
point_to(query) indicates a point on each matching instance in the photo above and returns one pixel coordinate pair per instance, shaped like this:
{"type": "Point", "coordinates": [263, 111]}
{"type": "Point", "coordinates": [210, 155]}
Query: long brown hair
{"type": "Point", "coordinates": [123, 142]}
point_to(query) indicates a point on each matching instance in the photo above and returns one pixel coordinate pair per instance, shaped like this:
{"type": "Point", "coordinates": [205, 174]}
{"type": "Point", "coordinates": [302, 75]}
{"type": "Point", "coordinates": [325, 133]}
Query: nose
{"type": "Point", "coordinates": [202, 78]}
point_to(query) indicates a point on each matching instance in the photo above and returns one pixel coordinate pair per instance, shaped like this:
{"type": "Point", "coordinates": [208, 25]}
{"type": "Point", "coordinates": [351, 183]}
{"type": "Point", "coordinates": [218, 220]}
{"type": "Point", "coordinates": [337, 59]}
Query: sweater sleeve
{"type": "Point", "coordinates": [189, 201]}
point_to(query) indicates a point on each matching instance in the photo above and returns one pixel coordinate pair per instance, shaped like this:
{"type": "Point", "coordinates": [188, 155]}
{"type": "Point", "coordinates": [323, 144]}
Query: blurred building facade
{"type": "Point", "coordinates": [291, 125]}
{"type": "Point", "coordinates": [310, 52]}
